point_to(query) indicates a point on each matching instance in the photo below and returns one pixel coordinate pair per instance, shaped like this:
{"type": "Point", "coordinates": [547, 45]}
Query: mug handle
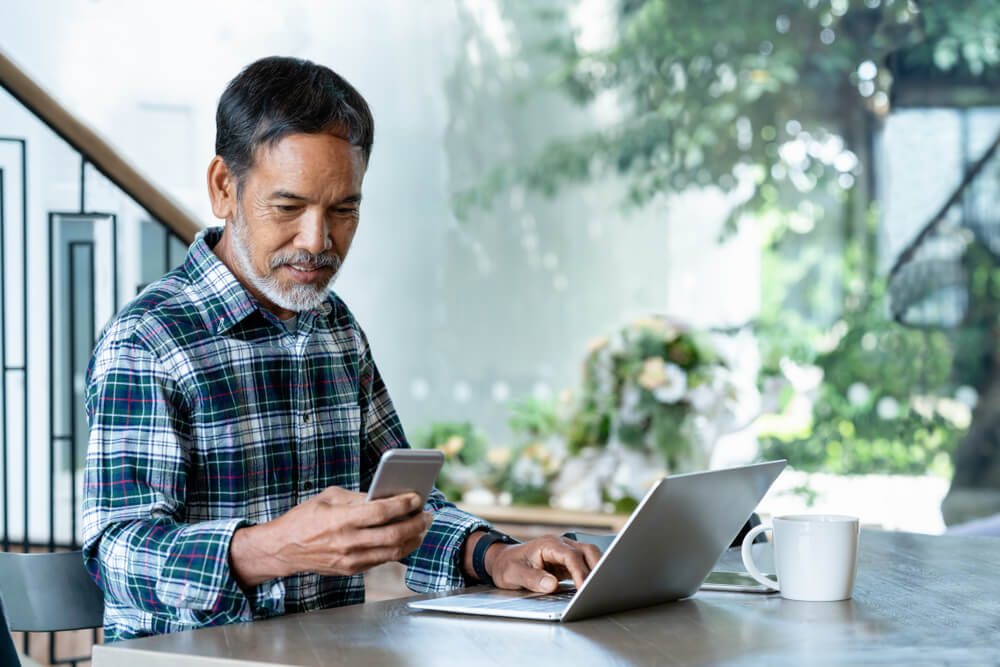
{"type": "Point", "coordinates": [747, 553]}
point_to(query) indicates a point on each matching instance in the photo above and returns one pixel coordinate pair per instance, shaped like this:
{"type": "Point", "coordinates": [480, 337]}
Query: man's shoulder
{"type": "Point", "coordinates": [162, 315]}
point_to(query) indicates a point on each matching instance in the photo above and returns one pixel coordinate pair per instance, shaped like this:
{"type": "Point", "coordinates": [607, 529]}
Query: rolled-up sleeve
{"type": "Point", "coordinates": [135, 544]}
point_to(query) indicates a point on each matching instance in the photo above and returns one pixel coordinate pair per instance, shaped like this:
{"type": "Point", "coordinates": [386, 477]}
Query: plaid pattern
{"type": "Point", "coordinates": [206, 414]}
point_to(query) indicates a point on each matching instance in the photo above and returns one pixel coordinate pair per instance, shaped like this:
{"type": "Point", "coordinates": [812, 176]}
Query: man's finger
{"type": "Point", "coordinates": [379, 512]}
{"type": "Point", "coordinates": [591, 554]}
{"type": "Point", "coordinates": [560, 553]}
{"type": "Point", "coordinates": [392, 534]}
{"type": "Point", "coordinates": [365, 560]}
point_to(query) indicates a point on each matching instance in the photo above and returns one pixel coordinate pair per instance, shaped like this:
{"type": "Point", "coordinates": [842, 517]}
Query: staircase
{"type": "Point", "coordinates": [81, 232]}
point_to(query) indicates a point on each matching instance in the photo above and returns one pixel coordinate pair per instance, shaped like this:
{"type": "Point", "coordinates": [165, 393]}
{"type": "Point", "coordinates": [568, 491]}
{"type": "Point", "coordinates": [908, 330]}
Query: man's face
{"type": "Point", "coordinates": [296, 218]}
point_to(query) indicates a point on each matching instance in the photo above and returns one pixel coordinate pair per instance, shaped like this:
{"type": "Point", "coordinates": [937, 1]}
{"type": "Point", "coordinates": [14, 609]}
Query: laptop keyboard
{"type": "Point", "coordinates": [542, 603]}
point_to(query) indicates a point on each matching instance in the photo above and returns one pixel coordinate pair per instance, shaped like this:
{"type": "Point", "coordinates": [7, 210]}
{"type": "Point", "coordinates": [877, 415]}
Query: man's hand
{"type": "Point", "coordinates": [333, 533]}
{"type": "Point", "coordinates": [540, 564]}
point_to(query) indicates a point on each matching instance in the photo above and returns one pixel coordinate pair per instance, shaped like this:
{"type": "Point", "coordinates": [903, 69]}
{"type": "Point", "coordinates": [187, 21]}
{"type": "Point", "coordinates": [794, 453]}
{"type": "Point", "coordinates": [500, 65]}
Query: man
{"type": "Point", "coordinates": [236, 413]}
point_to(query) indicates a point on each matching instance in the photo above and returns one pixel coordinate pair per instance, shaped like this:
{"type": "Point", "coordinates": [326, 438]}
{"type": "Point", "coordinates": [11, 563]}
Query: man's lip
{"type": "Point", "coordinates": [305, 275]}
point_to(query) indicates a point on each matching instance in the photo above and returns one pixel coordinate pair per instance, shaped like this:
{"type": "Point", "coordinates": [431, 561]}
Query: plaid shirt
{"type": "Point", "coordinates": [206, 414]}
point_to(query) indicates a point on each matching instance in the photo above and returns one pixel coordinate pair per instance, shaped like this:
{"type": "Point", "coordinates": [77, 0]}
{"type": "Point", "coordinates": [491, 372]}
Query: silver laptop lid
{"type": "Point", "coordinates": [673, 538]}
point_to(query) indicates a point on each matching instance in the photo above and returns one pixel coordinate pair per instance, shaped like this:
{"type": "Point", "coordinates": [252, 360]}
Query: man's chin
{"type": "Point", "coordinates": [299, 298]}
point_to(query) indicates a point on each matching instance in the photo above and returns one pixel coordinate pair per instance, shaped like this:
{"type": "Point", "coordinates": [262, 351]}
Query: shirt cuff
{"type": "Point", "coordinates": [268, 599]}
{"type": "Point", "coordinates": [437, 564]}
{"type": "Point", "coordinates": [196, 574]}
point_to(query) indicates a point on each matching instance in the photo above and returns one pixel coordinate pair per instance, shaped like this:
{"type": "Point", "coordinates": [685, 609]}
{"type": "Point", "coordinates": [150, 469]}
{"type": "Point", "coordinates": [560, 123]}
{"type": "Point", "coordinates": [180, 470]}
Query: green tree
{"type": "Point", "coordinates": [776, 103]}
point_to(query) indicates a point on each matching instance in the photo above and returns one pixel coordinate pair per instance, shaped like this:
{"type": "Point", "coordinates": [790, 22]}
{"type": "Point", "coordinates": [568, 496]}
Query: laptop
{"type": "Point", "coordinates": [664, 552]}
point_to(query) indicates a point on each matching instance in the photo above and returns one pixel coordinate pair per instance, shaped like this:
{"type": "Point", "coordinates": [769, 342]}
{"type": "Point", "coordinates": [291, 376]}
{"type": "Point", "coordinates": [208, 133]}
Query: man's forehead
{"type": "Point", "coordinates": [300, 158]}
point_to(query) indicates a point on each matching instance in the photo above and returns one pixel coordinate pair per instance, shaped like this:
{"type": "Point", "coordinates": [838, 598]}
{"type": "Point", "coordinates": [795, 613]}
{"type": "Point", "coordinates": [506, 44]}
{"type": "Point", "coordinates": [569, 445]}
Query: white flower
{"type": "Point", "coordinates": [887, 407]}
{"type": "Point", "coordinates": [674, 385]}
{"type": "Point", "coordinates": [579, 484]}
{"type": "Point", "coordinates": [923, 406]}
{"type": "Point", "coordinates": [479, 496]}
{"type": "Point", "coordinates": [630, 413]}
{"type": "Point", "coordinates": [967, 395]}
{"type": "Point", "coordinates": [803, 377]}
{"type": "Point", "coordinates": [955, 412]}
{"type": "Point", "coordinates": [702, 397]}
{"type": "Point", "coordinates": [858, 393]}
{"type": "Point", "coordinates": [528, 472]}
{"type": "Point", "coordinates": [635, 473]}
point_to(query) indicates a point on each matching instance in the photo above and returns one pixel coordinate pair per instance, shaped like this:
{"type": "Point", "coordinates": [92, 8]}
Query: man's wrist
{"type": "Point", "coordinates": [251, 559]}
{"type": "Point", "coordinates": [484, 554]}
{"type": "Point", "coordinates": [490, 558]}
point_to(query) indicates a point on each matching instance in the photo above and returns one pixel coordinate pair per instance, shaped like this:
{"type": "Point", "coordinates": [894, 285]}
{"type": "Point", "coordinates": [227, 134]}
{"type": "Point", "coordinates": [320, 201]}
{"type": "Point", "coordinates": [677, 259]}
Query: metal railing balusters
{"type": "Point", "coordinates": [85, 248]}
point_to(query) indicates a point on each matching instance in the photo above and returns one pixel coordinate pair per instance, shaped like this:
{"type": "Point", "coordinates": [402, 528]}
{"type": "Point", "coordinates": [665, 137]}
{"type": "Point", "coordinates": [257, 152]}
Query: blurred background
{"type": "Point", "coordinates": [602, 240]}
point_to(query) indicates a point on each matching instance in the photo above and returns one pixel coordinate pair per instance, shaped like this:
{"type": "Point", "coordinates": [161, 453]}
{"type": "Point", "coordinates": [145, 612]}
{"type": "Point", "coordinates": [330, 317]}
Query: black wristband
{"type": "Point", "coordinates": [479, 553]}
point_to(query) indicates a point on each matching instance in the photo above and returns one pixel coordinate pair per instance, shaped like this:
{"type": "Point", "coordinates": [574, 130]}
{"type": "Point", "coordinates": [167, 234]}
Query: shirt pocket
{"type": "Point", "coordinates": [340, 438]}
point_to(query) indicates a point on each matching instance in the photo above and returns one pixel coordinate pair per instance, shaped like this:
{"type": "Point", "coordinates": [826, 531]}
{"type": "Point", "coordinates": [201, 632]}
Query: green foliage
{"type": "Point", "coordinates": [712, 93]}
{"type": "Point", "coordinates": [464, 447]}
{"type": "Point", "coordinates": [458, 440]}
{"type": "Point", "coordinates": [534, 419]}
{"type": "Point", "coordinates": [901, 418]}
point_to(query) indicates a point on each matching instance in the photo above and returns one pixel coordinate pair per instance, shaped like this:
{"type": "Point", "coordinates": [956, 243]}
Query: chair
{"type": "Point", "coordinates": [46, 592]}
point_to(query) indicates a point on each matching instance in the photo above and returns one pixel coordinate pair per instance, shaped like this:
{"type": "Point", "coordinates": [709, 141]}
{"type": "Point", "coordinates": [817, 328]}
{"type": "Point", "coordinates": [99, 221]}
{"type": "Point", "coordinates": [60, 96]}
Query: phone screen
{"type": "Point", "coordinates": [735, 581]}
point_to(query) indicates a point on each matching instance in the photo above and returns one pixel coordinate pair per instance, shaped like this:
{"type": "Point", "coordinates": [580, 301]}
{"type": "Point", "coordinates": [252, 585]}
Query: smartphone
{"type": "Point", "coordinates": [406, 470]}
{"type": "Point", "coordinates": [737, 582]}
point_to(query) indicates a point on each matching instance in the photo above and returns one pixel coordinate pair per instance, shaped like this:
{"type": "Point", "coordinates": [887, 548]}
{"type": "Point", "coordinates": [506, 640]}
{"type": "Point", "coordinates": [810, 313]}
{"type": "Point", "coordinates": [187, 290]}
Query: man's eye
{"type": "Point", "coordinates": [346, 211]}
{"type": "Point", "coordinates": [287, 208]}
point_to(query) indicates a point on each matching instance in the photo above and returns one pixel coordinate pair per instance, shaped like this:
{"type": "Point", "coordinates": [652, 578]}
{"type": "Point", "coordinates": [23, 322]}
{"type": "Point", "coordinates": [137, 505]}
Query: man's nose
{"type": "Point", "coordinates": [313, 235]}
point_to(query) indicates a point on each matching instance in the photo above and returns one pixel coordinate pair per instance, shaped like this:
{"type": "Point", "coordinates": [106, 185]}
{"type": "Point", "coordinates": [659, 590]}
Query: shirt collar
{"type": "Point", "coordinates": [225, 300]}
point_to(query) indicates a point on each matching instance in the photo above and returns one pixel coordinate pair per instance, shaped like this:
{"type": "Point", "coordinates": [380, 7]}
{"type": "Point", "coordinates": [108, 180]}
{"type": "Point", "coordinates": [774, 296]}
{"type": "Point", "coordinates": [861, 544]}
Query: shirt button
{"type": "Point", "coordinates": [305, 418]}
{"type": "Point", "coordinates": [307, 486]}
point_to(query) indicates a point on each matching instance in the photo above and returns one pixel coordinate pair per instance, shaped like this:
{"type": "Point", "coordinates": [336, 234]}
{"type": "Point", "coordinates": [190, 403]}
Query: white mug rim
{"type": "Point", "coordinates": [817, 518]}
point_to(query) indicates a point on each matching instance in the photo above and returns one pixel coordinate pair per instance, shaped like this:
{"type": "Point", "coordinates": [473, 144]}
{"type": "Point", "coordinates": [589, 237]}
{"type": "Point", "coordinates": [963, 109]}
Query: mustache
{"type": "Point", "coordinates": [323, 260]}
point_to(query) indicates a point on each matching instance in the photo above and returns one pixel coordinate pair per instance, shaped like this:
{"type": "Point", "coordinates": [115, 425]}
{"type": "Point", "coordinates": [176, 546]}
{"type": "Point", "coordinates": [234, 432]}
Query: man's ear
{"type": "Point", "coordinates": [221, 188]}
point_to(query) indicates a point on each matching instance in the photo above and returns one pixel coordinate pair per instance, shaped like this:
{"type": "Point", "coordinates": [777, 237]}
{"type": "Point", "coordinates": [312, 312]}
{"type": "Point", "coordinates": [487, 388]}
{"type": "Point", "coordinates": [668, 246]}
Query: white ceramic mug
{"type": "Point", "coordinates": [815, 556]}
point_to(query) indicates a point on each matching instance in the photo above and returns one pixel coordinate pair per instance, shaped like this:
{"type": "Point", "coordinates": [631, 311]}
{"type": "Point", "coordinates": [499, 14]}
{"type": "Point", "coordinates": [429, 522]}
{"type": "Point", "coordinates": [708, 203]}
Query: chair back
{"type": "Point", "coordinates": [49, 592]}
{"type": "Point", "coordinates": [8, 653]}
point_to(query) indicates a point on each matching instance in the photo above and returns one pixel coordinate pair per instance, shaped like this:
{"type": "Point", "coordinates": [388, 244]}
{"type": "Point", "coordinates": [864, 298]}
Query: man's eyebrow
{"type": "Point", "coordinates": [285, 194]}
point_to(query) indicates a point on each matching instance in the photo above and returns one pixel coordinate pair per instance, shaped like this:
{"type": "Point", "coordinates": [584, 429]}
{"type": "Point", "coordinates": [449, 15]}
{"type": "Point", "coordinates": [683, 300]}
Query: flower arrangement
{"type": "Point", "coordinates": [655, 398]}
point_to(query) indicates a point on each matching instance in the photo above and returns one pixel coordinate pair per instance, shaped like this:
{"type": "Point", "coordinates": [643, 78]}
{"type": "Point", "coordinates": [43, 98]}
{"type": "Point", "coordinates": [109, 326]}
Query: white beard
{"type": "Point", "coordinates": [296, 298]}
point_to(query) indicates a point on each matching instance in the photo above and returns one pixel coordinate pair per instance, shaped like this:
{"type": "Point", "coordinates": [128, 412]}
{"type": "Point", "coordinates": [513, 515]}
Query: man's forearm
{"type": "Point", "coordinates": [252, 558]}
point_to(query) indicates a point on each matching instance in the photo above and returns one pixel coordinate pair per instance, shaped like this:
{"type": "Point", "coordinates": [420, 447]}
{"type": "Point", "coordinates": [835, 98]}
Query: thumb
{"type": "Point", "coordinates": [522, 575]}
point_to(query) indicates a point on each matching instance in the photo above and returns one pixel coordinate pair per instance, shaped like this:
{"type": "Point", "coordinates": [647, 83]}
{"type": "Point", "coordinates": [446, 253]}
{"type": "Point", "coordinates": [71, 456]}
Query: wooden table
{"type": "Point", "coordinates": [918, 599]}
